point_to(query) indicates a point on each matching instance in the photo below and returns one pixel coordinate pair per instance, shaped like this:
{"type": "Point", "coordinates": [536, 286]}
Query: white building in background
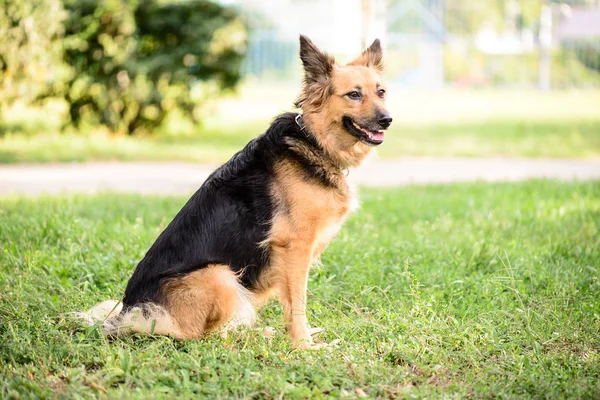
{"type": "Point", "coordinates": [579, 24]}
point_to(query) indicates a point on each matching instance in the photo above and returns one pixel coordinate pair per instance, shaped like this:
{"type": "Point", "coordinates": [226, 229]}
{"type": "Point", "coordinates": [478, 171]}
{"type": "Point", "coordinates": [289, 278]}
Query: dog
{"type": "Point", "coordinates": [256, 225]}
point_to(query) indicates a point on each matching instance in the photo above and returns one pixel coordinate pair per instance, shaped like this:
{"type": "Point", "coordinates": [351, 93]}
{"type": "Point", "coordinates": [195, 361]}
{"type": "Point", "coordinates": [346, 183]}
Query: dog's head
{"type": "Point", "coordinates": [344, 106]}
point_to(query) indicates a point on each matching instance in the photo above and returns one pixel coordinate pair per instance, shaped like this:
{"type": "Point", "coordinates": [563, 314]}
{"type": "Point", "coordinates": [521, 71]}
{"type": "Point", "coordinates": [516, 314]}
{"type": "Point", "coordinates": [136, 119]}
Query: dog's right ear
{"type": "Point", "coordinates": [371, 57]}
{"type": "Point", "coordinates": [317, 64]}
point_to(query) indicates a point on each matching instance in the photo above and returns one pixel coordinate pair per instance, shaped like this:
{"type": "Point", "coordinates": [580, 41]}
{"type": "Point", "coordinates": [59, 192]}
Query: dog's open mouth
{"type": "Point", "coordinates": [372, 138]}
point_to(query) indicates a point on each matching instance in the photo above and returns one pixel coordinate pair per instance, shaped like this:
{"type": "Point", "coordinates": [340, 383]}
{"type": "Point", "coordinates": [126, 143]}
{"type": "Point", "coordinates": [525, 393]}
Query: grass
{"type": "Point", "coordinates": [517, 138]}
{"type": "Point", "coordinates": [468, 290]}
{"type": "Point", "coordinates": [435, 123]}
{"type": "Point", "coordinates": [576, 139]}
{"type": "Point", "coordinates": [209, 146]}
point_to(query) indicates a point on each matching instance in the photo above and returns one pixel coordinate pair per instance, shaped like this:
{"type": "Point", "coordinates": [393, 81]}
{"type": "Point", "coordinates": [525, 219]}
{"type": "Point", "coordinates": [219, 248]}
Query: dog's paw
{"type": "Point", "coordinates": [267, 331]}
{"type": "Point", "coordinates": [314, 331]}
{"type": "Point", "coordinates": [309, 345]}
{"type": "Point", "coordinates": [305, 345]}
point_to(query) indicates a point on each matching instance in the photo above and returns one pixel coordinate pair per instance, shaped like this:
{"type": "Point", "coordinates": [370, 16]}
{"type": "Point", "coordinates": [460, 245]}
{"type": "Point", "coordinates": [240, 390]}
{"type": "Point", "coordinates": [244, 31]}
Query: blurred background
{"type": "Point", "coordinates": [194, 80]}
{"type": "Point", "coordinates": [433, 43]}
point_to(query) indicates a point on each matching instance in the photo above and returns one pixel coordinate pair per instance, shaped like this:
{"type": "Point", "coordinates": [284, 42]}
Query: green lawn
{"type": "Point", "coordinates": [559, 124]}
{"type": "Point", "coordinates": [469, 290]}
{"type": "Point", "coordinates": [565, 139]}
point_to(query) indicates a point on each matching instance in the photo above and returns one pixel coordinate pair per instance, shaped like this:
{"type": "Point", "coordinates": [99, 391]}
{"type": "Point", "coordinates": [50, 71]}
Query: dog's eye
{"type": "Point", "coordinates": [354, 95]}
{"type": "Point", "coordinates": [381, 93]}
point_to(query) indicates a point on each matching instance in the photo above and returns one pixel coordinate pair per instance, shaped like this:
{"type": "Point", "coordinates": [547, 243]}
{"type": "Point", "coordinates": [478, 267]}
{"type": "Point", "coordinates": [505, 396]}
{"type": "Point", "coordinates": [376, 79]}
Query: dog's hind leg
{"type": "Point", "coordinates": [206, 300]}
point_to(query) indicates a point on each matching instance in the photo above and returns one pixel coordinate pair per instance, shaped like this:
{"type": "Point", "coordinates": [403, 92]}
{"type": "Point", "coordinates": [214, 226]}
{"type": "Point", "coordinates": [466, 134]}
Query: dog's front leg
{"type": "Point", "coordinates": [294, 264]}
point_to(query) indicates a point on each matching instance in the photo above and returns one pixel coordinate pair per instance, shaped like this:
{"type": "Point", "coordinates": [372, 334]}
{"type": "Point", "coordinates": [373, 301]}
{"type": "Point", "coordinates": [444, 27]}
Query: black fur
{"type": "Point", "coordinates": [227, 218]}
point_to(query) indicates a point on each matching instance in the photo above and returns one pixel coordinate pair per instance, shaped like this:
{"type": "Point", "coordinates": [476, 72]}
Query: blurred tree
{"type": "Point", "coordinates": [131, 63]}
{"type": "Point", "coordinates": [28, 49]}
{"type": "Point", "coordinates": [589, 55]}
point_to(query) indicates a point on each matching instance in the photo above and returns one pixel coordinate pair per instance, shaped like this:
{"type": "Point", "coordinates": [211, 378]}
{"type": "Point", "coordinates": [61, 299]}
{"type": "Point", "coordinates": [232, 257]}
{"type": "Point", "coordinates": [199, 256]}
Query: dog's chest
{"type": "Point", "coordinates": [309, 212]}
{"type": "Point", "coordinates": [330, 220]}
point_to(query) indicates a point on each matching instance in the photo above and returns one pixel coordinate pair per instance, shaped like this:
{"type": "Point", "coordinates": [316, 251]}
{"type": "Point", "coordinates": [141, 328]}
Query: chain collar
{"type": "Point", "coordinates": [300, 122]}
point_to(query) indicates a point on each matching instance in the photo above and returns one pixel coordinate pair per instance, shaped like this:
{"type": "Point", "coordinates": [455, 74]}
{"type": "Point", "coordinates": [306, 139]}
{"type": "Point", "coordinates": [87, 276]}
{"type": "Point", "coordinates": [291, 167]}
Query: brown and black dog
{"type": "Point", "coordinates": [259, 221]}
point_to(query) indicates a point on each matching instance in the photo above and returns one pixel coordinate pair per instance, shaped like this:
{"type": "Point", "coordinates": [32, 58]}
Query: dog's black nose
{"type": "Point", "coordinates": [385, 121]}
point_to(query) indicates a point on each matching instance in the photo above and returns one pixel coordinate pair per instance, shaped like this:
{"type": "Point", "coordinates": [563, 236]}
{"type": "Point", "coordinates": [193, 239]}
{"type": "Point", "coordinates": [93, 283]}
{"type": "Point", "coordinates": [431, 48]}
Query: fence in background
{"type": "Point", "coordinates": [431, 43]}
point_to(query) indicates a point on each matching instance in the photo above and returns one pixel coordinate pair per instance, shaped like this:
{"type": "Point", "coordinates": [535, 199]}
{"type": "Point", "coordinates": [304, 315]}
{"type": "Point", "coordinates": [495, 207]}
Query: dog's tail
{"type": "Point", "coordinates": [148, 318]}
{"type": "Point", "coordinates": [100, 312]}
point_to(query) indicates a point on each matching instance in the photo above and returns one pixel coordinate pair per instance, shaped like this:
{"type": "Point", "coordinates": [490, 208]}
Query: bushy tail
{"type": "Point", "coordinates": [149, 318]}
{"type": "Point", "coordinates": [100, 312]}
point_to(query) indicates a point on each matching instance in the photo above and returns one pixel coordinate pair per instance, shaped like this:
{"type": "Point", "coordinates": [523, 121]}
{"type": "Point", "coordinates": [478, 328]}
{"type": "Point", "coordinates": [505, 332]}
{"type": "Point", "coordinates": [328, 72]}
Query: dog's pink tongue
{"type": "Point", "coordinates": [377, 135]}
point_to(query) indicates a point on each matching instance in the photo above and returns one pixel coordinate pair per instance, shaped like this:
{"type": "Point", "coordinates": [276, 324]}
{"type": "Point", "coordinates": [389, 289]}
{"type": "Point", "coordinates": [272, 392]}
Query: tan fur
{"type": "Point", "coordinates": [371, 57]}
{"type": "Point", "coordinates": [207, 299]}
{"type": "Point", "coordinates": [308, 214]}
{"type": "Point", "coordinates": [306, 219]}
{"type": "Point", "coordinates": [325, 120]}
{"type": "Point", "coordinates": [198, 303]}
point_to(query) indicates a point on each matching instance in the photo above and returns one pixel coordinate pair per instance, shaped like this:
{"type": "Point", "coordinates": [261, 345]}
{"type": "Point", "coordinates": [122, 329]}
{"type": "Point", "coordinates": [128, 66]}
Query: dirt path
{"type": "Point", "coordinates": [181, 178]}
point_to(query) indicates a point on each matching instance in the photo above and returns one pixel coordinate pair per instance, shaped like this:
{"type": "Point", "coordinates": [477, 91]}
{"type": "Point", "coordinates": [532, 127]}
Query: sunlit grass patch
{"type": "Point", "coordinates": [470, 290]}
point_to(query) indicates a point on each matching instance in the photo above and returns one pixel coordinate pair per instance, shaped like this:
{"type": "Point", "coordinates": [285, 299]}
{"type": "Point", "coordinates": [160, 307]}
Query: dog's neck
{"type": "Point", "coordinates": [344, 151]}
{"type": "Point", "coordinates": [314, 158]}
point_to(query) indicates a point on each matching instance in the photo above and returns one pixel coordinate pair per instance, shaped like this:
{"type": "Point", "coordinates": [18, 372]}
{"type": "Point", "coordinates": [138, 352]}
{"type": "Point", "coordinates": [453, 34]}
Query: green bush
{"type": "Point", "coordinates": [119, 63]}
{"type": "Point", "coordinates": [28, 47]}
{"type": "Point", "coordinates": [589, 54]}
{"type": "Point", "coordinates": [134, 62]}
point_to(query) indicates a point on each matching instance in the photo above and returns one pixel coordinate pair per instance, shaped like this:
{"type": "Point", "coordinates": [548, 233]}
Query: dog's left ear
{"type": "Point", "coordinates": [317, 64]}
{"type": "Point", "coordinates": [371, 57]}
